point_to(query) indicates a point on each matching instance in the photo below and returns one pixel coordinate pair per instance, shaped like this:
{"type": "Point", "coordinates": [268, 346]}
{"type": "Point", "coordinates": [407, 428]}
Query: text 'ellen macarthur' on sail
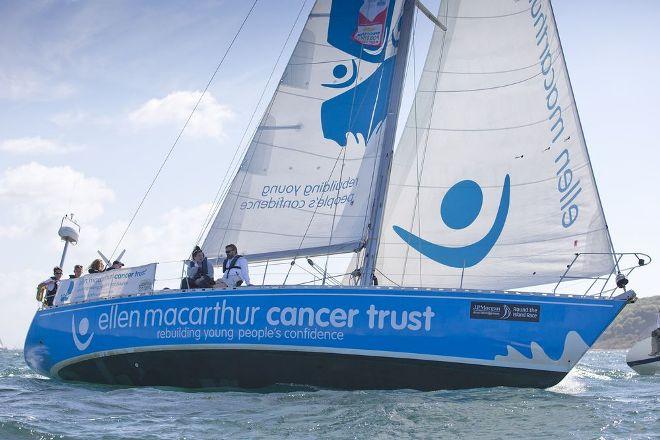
{"type": "Point", "coordinates": [569, 190]}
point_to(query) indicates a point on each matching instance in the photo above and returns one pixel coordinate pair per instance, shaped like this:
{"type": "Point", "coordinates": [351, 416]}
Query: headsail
{"type": "Point", "coordinates": [491, 184]}
{"type": "Point", "coordinates": [305, 183]}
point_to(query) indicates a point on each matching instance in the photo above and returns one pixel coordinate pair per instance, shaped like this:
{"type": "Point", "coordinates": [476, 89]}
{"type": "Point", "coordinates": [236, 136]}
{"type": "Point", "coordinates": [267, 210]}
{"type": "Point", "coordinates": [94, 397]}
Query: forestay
{"type": "Point", "coordinates": [491, 184]}
{"type": "Point", "coordinates": [305, 183]}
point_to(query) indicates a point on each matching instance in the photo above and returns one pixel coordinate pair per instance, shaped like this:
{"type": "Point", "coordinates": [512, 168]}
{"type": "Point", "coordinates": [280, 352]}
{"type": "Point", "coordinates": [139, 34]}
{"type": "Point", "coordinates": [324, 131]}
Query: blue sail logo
{"type": "Point", "coordinates": [362, 107]}
{"type": "Point", "coordinates": [459, 208]}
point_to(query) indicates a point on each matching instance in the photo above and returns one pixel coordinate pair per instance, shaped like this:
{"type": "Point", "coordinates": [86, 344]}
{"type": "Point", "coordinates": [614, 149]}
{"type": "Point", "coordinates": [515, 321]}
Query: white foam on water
{"type": "Point", "coordinates": [573, 384]}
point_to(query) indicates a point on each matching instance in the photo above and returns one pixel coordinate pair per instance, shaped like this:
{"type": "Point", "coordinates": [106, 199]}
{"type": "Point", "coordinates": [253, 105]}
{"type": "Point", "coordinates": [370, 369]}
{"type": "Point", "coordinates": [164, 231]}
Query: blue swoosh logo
{"type": "Point", "coordinates": [465, 256]}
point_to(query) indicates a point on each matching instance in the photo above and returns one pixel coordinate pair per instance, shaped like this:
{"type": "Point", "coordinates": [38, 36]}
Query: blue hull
{"type": "Point", "coordinates": [345, 338]}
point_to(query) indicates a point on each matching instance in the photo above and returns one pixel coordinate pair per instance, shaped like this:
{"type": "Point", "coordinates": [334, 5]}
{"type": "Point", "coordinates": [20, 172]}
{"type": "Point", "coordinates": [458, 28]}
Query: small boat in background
{"type": "Point", "coordinates": [644, 356]}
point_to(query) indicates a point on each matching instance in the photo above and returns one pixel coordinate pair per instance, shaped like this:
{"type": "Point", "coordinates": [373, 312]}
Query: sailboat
{"type": "Point", "coordinates": [490, 190]}
{"type": "Point", "coordinates": [644, 356]}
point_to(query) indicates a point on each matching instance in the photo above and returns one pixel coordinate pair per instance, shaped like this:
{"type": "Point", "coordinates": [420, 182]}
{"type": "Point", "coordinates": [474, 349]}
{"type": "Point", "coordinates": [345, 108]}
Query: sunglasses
{"type": "Point", "coordinates": [57, 273]}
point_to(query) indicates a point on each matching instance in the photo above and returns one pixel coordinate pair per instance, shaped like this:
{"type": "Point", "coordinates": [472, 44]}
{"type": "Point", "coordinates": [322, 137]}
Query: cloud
{"type": "Point", "coordinates": [19, 304]}
{"type": "Point", "coordinates": [167, 238]}
{"type": "Point", "coordinates": [30, 194]}
{"type": "Point", "coordinates": [28, 85]}
{"type": "Point", "coordinates": [69, 119]}
{"type": "Point", "coordinates": [36, 145]}
{"type": "Point", "coordinates": [208, 120]}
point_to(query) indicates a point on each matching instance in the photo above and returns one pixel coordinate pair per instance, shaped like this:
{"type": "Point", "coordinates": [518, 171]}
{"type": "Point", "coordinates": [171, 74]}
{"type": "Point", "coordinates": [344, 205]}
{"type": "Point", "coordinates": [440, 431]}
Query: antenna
{"type": "Point", "coordinates": [108, 263]}
{"type": "Point", "coordinates": [69, 232]}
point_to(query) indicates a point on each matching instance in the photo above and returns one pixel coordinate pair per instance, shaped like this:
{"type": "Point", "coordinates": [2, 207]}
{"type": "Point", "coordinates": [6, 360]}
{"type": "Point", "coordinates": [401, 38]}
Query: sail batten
{"type": "Point", "coordinates": [491, 183]}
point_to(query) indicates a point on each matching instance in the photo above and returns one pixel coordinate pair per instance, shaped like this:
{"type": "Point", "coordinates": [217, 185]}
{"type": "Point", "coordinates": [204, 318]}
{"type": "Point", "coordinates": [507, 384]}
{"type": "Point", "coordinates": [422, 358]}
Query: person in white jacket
{"type": "Point", "coordinates": [235, 268]}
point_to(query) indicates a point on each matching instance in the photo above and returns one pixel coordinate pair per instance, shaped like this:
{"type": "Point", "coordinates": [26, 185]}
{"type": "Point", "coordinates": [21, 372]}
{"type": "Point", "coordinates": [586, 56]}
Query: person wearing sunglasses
{"type": "Point", "coordinates": [51, 285]}
{"type": "Point", "coordinates": [235, 268]}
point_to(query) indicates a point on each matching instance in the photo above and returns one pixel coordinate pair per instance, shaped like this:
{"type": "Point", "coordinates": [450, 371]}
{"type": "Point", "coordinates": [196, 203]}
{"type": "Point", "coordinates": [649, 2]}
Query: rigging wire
{"type": "Point", "coordinates": [233, 165]}
{"type": "Point", "coordinates": [343, 163]}
{"type": "Point", "coordinates": [169, 153]}
{"type": "Point", "coordinates": [247, 166]}
{"type": "Point", "coordinates": [386, 277]}
{"type": "Point", "coordinates": [309, 224]}
{"type": "Point", "coordinates": [334, 215]}
{"type": "Point", "coordinates": [419, 177]}
{"type": "Point", "coordinates": [416, 210]}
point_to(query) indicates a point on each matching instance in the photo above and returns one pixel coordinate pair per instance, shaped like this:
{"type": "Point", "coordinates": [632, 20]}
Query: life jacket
{"type": "Point", "coordinates": [50, 294]}
{"type": "Point", "coordinates": [202, 271]}
{"type": "Point", "coordinates": [232, 263]}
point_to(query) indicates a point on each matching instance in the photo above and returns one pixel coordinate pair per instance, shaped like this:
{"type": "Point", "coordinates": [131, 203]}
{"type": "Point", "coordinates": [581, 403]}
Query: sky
{"type": "Point", "coordinates": [93, 94]}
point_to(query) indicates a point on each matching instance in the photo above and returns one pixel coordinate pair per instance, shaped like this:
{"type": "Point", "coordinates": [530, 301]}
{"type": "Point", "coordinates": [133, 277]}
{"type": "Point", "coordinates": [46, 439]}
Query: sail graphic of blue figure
{"type": "Point", "coordinates": [362, 107]}
{"type": "Point", "coordinates": [459, 208]}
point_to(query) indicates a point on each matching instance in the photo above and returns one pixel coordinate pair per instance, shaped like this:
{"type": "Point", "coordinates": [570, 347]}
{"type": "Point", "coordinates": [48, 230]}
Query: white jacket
{"type": "Point", "coordinates": [236, 274]}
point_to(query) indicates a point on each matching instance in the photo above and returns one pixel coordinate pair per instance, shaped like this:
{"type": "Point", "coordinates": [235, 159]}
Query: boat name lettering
{"type": "Point", "coordinates": [568, 193]}
{"type": "Point", "coordinates": [223, 315]}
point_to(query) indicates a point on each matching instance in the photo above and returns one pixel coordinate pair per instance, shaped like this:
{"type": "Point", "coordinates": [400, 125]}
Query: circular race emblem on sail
{"type": "Point", "coordinates": [460, 206]}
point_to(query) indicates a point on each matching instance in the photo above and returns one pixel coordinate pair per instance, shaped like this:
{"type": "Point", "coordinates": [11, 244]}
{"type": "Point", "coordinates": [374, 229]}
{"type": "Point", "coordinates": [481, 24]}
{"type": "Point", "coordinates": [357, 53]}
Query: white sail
{"type": "Point", "coordinates": [491, 184]}
{"type": "Point", "coordinates": [305, 183]}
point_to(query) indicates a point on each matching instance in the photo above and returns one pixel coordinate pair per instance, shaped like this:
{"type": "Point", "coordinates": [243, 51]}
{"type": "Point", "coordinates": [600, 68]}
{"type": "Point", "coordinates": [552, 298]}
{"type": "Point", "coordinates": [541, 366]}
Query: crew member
{"type": "Point", "coordinates": [77, 271]}
{"type": "Point", "coordinates": [115, 265]}
{"type": "Point", "coordinates": [655, 338]}
{"type": "Point", "coordinates": [51, 285]}
{"type": "Point", "coordinates": [200, 271]}
{"type": "Point", "coordinates": [235, 268]}
{"type": "Point", "coordinates": [97, 266]}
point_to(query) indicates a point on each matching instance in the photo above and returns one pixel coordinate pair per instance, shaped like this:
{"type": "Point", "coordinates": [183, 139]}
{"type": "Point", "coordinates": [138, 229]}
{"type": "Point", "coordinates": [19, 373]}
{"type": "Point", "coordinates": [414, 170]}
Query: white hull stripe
{"type": "Point", "coordinates": [75, 307]}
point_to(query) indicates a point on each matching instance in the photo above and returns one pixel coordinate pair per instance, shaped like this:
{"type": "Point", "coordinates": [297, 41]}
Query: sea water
{"type": "Point", "coordinates": [600, 398]}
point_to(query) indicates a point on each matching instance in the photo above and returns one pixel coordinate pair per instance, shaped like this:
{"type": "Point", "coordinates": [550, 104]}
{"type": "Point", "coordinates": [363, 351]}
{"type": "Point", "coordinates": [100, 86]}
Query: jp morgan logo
{"type": "Point", "coordinates": [79, 333]}
{"type": "Point", "coordinates": [505, 312]}
{"type": "Point", "coordinates": [460, 207]}
{"type": "Point", "coordinates": [360, 109]}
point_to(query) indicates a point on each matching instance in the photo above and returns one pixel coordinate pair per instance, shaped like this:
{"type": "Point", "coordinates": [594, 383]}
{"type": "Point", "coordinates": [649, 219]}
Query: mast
{"type": "Point", "coordinates": [387, 150]}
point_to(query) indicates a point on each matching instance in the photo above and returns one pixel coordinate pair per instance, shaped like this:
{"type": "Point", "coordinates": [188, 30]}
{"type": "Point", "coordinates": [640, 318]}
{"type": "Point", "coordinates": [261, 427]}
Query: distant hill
{"type": "Point", "coordinates": [633, 324]}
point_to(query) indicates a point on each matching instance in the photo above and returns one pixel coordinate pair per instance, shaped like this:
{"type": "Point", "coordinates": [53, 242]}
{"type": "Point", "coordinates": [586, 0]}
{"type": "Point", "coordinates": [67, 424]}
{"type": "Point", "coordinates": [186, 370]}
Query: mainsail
{"type": "Point", "coordinates": [491, 184]}
{"type": "Point", "coordinates": [305, 183]}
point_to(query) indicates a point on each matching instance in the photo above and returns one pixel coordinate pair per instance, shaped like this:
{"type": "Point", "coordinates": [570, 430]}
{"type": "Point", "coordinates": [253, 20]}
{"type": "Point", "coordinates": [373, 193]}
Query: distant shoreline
{"type": "Point", "coordinates": [633, 324]}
